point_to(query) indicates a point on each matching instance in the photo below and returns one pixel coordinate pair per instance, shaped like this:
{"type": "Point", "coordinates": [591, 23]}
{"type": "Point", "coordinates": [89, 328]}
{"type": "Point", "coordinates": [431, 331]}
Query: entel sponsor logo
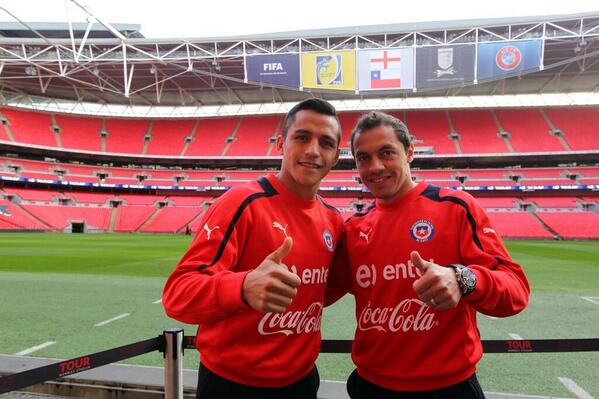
{"type": "Point", "coordinates": [366, 275]}
{"type": "Point", "coordinates": [296, 322]}
{"type": "Point", "coordinates": [74, 366]}
{"type": "Point", "coordinates": [407, 315]}
{"type": "Point", "coordinates": [519, 346]}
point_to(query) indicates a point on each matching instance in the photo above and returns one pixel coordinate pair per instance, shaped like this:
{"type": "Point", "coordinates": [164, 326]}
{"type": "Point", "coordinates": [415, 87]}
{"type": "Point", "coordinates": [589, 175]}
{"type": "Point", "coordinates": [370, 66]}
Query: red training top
{"type": "Point", "coordinates": [401, 343]}
{"type": "Point", "coordinates": [239, 230]}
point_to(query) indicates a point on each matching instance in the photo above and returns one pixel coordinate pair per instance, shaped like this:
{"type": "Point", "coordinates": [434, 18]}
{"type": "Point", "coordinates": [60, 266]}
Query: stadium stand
{"type": "Point", "coordinates": [478, 132]}
{"type": "Point", "coordinates": [572, 225]}
{"type": "Point", "coordinates": [34, 195]}
{"type": "Point", "coordinates": [80, 133]}
{"type": "Point", "coordinates": [126, 135]}
{"type": "Point", "coordinates": [518, 224]}
{"type": "Point", "coordinates": [553, 202]}
{"type": "Point", "coordinates": [130, 218]}
{"type": "Point", "coordinates": [579, 126]}
{"type": "Point", "coordinates": [253, 135]}
{"type": "Point", "coordinates": [347, 121]}
{"type": "Point", "coordinates": [170, 219]}
{"type": "Point", "coordinates": [211, 135]}
{"type": "Point", "coordinates": [60, 217]}
{"type": "Point", "coordinates": [30, 127]}
{"type": "Point", "coordinates": [431, 128]}
{"type": "Point", "coordinates": [168, 136]}
{"type": "Point", "coordinates": [14, 217]}
{"type": "Point", "coordinates": [528, 130]}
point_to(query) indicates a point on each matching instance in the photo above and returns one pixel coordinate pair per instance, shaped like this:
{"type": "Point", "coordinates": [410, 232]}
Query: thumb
{"type": "Point", "coordinates": [280, 253]}
{"type": "Point", "coordinates": [420, 263]}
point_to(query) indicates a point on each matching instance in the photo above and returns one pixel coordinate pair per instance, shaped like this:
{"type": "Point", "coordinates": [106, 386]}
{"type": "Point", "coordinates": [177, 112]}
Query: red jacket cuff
{"type": "Point", "coordinates": [229, 292]}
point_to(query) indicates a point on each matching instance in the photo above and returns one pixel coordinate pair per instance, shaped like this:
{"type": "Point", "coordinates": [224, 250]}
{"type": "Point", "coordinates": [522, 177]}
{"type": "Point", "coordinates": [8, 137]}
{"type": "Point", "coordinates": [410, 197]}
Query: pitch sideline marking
{"type": "Point", "coordinates": [35, 348]}
{"type": "Point", "coordinates": [592, 299]}
{"type": "Point", "coordinates": [492, 317]}
{"type": "Point", "coordinates": [516, 336]}
{"type": "Point", "coordinates": [158, 301]}
{"type": "Point", "coordinates": [574, 388]}
{"type": "Point", "coordinates": [121, 316]}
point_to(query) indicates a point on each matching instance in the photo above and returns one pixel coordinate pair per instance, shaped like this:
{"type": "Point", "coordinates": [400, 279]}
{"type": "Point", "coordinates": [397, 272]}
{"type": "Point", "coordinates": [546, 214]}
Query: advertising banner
{"type": "Point", "coordinates": [444, 66]}
{"type": "Point", "coordinates": [331, 70]}
{"type": "Point", "coordinates": [505, 58]}
{"type": "Point", "coordinates": [387, 69]}
{"type": "Point", "coordinates": [276, 69]}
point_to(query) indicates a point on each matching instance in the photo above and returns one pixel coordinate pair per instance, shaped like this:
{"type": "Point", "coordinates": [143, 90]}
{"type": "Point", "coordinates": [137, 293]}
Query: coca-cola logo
{"type": "Point", "coordinates": [408, 315]}
{"type": "Point", "coordinates": [295, 322]}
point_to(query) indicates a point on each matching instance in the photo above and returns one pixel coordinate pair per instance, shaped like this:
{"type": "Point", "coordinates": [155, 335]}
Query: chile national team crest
{"type": "Point", "coordinates": [508, 58]}
{"type": "Point", "coordinates": [422, 230]}
{"type": "Point", "coordinates": [327, 237]}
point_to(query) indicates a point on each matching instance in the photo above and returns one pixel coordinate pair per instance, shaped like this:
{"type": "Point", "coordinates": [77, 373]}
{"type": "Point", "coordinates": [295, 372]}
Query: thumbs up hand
{"type": "Point", "coordinates": [437, 285]}
{"type": "Point", "coordinates": [270, 287]}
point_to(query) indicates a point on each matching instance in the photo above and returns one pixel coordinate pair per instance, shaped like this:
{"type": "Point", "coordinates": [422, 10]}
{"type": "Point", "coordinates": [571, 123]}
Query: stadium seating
{"type": "Point", "coordinates": [579, 125]}
{"type": "Point", "coordinates": [518, 224]}
{"type": "Point", "coordinates": [572, 225]}
{"type": "Point", "coordinates": [432, 128]}
{"type": "Point", "coordinates": [553, 202]}
{"type": "Point", "coordinates": [30, 127]}
{"type": "Point", "coordinates": [15, 218]}
{"type": "Point", "coordinates": [126, 135]}
{"type": "Point", "coordinates": [61, 217]}
{"type": "Point", "coordinates": [210, 136]}
{"type": "Point", "coordinates": [171, 219]}
{"type": "Point", "coordinates": [130, 218]}
{"type": "Point", "coordinates": [80, 133]}
{"type": "Point", "coordinates": [252, 137]}
{"type": "Point", "coordinates": [529, 131]}
{"type": "Point", "coordinates": [478, 132]}
{"type": "Point", "coordinates": [168, 136]}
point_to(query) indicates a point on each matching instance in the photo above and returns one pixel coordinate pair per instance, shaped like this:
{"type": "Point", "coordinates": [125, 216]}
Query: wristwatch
{"type": "Point", "coordinates": [466, 278]}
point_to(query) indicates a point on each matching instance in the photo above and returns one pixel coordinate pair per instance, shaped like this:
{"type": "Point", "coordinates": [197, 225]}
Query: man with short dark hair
{"type": "Point", "coordinates": [254, 277]}
{"type": "Point", "coordinates": [420, 261]}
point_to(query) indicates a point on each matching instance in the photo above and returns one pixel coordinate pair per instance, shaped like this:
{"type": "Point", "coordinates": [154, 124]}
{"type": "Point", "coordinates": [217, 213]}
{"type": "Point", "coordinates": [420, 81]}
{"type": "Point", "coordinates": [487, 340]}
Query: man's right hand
{"type": "Point", "coordinates": [271, 286]}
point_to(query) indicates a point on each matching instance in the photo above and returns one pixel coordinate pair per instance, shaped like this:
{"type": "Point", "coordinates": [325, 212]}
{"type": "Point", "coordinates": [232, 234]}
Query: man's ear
{"type": "Point", "coordinates": [410, 153]}
{"type": "Point", "coordinates": [279, 144]}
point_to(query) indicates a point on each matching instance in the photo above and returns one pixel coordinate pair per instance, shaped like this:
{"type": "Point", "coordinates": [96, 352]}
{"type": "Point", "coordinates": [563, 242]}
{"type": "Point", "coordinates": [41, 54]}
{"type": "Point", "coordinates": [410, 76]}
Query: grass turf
{"type": "Point", "coordinates": [55, 287]}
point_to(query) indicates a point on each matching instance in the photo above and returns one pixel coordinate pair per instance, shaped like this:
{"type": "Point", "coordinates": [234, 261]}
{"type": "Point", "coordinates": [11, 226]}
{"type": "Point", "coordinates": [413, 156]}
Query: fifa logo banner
{"type": "Point", "coordinates": [331, 70]}
{"type": "Point", "coordinates": [507, 58]}
{"type": "Point", "coordinates": [444, 66]}
{"type": "Point", "coordinates": [388, 69]}
{"type": "Point", "coordinates": [282, 69]}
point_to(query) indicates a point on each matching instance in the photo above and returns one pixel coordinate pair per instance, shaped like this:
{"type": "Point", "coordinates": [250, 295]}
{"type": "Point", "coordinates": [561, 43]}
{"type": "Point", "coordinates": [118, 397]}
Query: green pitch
{"type": "Point", "coordinates": [56, 287]}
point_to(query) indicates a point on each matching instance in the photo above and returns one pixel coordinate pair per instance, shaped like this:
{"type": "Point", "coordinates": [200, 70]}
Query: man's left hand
{"type": "Point", "coordinates": [437, 285]}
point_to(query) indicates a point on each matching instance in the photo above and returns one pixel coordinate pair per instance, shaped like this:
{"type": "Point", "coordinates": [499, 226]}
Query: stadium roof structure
{"type": "Point", "coordinates": [98, 63]}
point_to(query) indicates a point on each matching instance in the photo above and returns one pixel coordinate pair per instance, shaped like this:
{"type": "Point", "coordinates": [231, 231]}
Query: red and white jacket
{"type": "Point", "coordinates": [238, 231]}
{"type": "Point", "coordinates": [401, 343]}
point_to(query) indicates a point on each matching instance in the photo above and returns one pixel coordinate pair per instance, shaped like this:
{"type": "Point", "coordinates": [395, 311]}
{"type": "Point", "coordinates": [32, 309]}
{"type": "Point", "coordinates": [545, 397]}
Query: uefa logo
{"type": "Point", "coordinates": [508, 58]}
{"type": "Point", "coordinates": [422, 230]}
{"type": "Point", "coordinates": [327, 237]}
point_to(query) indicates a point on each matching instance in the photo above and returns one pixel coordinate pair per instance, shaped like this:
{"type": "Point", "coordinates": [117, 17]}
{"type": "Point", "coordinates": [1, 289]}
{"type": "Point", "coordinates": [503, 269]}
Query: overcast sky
{"type": "Point", "coordinates": [206, 18]}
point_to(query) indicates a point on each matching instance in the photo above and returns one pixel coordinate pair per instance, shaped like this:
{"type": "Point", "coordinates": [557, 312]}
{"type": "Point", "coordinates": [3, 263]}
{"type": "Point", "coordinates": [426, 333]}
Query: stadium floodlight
{"type": "Point", "coordinates": [31, 71]}
{"type": "Point", "coordinates": [153, 70]}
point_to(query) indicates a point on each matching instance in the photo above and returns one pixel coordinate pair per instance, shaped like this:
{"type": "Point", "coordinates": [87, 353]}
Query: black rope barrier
{"type": "Point", "coordinates": [489, 346]}
{"type": "Point", "coordinates": [87, 362]}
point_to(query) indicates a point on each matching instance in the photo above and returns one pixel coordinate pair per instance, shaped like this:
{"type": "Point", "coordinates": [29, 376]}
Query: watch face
{"type": "Point", "coordinates": [468, 278]}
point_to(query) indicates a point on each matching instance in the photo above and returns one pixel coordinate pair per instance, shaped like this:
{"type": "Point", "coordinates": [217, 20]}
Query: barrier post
{"type": "Point", "coordinates": [173, 363]}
